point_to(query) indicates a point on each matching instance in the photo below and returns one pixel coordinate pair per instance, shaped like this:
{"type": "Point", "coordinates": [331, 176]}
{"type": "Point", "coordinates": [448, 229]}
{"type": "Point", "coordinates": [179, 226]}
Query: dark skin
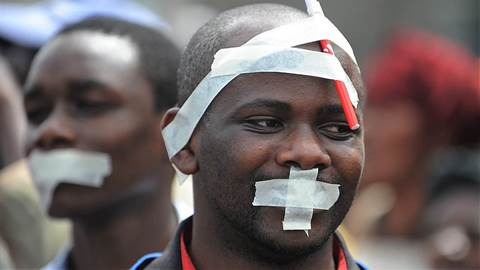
{"type": "Point", "coordinates": [86, 91]}
{"type": "Point", "coordinates": [256, 129]}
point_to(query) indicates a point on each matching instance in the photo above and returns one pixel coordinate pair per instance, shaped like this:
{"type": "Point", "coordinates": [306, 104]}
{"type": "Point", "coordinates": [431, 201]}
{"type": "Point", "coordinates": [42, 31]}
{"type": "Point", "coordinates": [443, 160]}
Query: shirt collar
{"type": "Point", "coordinates": [187, 263]}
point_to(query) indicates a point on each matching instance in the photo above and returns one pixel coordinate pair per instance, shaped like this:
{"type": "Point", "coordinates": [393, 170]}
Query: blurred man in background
{"type": "Point", "coordinates": [102, 85]}
{"type": "Point", "coordinates": [12, 120]}
{"type": "Point", "coordinates": [451, 220]}
{"type": "Point", "coordinates": [31, 239]}
{"type": "Point", "coordinates": [423, 98]}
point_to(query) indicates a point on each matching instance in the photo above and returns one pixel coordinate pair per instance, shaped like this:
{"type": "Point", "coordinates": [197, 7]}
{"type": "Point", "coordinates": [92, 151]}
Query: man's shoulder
{"type": "Point", "coordinates": [146, 260]}
{"type": "Point", "coordinates": [61, 260]}
{"type": "Point", "coordinates": [170, 258]}
{"type": "Point", "coordinates": [164, 261]}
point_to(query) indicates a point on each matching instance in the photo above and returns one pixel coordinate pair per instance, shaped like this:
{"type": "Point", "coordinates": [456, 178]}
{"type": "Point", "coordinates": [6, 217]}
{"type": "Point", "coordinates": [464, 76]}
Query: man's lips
{"type": "Point", "coordinates": [329, 180]}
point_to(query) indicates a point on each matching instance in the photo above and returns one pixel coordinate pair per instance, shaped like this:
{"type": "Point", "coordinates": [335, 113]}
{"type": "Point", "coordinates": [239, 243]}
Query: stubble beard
{"type": "Point", "coordinates": [245, 233]}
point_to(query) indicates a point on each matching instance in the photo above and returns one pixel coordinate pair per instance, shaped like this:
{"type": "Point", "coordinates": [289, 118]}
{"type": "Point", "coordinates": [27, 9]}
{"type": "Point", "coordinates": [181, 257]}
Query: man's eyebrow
{"type": "Point", "coordinates": [330, 109]}
{"type": "Point", "coordinates": [266, 103]}
{"type": "Point", "coordinates": [85, 85]}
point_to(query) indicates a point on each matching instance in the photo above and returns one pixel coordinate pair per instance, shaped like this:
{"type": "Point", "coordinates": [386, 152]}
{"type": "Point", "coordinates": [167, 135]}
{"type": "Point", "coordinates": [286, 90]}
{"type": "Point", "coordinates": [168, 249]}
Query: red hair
{"type": "Point", "coordinates": [437, 75]}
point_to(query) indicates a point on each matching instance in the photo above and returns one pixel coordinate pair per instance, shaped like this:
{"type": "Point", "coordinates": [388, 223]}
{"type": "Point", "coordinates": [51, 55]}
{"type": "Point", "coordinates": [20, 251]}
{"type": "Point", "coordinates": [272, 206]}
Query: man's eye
{"type": "Point", "coordinates": [37, 115]}
{"type": "Point", "coordinates": [264, 124]}
{"type": "Point", "coordinates": [336, 131]}
{"type": "Point", "coordinates": [267, 123]}
{"type": "Point", "coordinates": [91, 106]}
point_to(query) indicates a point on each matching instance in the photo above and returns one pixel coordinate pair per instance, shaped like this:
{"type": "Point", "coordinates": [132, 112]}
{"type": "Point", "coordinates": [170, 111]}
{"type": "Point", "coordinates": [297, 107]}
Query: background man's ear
{"type": "Point", "coordinates": [184, 160]}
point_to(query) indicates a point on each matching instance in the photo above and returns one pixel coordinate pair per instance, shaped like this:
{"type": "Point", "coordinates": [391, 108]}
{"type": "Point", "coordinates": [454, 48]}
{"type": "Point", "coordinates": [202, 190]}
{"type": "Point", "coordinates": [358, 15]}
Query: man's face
{"type": "Point", "coordinates": [85, 91]}
{"type": "Point", "coordinates": [260, 126]}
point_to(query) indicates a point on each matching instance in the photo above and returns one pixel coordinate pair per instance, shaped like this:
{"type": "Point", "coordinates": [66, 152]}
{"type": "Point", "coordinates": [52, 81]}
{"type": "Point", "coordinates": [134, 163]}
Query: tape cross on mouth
{"type": "Point", "coordinates": [299, 194]}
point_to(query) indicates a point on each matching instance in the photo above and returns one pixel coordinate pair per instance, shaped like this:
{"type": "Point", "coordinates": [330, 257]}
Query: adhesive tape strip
{"type": "Point", "coordinates": [266, 58]}
{"type": "Point", "coordinates": [295, 193]}
{"type": "Point", "coordinates": [305, 31]}
{"type": "Point", "coordinates": [49, 168]}
{"type": "Point", "coordinates": [297, 219]}
{"type": "Point", "coordinates": [229, 63]}
{"type": "Point", "coordinates": [178, 132]}
{"type": "Point", "coordinates": [299, 194]}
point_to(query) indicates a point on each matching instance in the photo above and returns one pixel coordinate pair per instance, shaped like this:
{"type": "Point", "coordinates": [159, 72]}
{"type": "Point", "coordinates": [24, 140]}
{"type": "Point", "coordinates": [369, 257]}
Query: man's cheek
{"type": "Point", "coordinates": [252, 153]}
{"type": "Point", "coordinates": [349, 160]}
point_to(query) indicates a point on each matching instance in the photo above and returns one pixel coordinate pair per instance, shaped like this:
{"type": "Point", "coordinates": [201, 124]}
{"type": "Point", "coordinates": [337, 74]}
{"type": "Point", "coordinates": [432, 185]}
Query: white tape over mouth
{"type": "Point", "coordinates": [50, 168]}
{"type": "Point", "coordinates": [270, 51]}
{"type": "Point", "coordinates": [299, 194]}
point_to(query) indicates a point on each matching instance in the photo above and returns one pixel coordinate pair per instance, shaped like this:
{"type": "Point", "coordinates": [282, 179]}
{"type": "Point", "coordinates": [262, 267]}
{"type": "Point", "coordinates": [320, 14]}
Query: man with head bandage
{"type": "Point", "coordinates": [94, 100]}
{"type": "Point", "coordinates": [260, 127]}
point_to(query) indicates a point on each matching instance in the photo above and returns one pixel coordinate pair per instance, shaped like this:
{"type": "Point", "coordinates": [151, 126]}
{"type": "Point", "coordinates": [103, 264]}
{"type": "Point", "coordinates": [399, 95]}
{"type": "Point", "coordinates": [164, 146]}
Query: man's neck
{"type": "Point", "coordinates": [119, 241]}
{"type": "Point", "coordinates": [209, 251]}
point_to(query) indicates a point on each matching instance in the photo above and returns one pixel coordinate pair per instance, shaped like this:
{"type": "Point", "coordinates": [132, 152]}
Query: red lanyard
{"type": "Point", "coordinates": [186, 261]}
{"type": "Point", "coordinates": [188, 265]}
{"type": "Point", "coordinates": [342, 261]}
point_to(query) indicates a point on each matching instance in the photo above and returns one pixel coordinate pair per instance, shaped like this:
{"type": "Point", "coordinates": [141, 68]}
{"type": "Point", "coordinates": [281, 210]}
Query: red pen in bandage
{"type": "Point", "coordinates": [342, 92]}
{"type": "Point", "coordinates": [313, 6]}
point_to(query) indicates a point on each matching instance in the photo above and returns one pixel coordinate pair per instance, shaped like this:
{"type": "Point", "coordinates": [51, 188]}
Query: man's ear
{"type": "Point", "coordinates": [184, 160]}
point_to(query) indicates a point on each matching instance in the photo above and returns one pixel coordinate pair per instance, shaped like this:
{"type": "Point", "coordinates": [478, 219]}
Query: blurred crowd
{"type": "Point", "coordinates": [422, 170]}
{"type": "Point", "coordinates": [418, 203]}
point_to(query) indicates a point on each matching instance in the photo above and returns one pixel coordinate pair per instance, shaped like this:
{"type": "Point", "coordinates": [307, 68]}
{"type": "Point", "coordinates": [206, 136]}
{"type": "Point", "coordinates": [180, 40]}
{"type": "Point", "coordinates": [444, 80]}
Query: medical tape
{"type": "Point", "coordinates": [178, 132]}
{"type": "Point", "coordinates": [229, 63]}
{"type": "Point", "coordinates": [50, 168]}
{"type": "Point", "coordinates": [299, 194]}
{"type": "Point", "coordinates": [297, 219]}
{"type": "Point", "coordinates": [265, 58]}
{"type": "Point", "coordinates": [302, 193]}
{"type": "Point", "coordinates": [305, 31]}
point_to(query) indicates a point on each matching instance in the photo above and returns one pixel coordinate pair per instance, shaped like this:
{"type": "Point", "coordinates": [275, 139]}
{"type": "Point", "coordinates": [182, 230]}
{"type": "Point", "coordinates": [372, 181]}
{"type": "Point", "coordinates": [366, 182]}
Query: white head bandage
{"type": "Point", "coordinates": [49, 168]}
{"type": "Point", "coordinates": [270, 51]}
{"type": "Point", "coordinates": [299, 194]}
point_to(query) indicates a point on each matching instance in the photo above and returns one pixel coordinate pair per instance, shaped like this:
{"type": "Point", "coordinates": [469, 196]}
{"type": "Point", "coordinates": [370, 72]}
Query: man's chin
{"type": "Point", "coordinates": [288, 246]}
{"type": "Point", "coordinates": [291, 243]}
{"type": "Point", "coordinates": [70, 200]}
{"type": "Point", "coordinates": [59, 209]}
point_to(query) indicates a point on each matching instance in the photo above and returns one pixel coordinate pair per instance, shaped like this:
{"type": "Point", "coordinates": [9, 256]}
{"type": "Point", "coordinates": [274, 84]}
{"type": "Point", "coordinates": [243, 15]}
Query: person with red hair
{"type": "Point", "coordinates": [423, 96]}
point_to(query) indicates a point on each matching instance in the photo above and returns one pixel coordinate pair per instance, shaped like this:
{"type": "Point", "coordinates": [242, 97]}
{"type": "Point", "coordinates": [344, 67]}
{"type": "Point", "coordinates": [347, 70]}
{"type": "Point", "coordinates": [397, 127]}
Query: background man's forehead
{"type": "Point", "coordinates": [89, 51]}
{"type": "Point", "coordinates": [88, 42]}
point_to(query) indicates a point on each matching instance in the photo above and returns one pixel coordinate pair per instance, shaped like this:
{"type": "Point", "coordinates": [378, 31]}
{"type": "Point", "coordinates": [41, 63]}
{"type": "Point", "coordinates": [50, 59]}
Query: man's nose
{"type": "Point", "coordinates": [304, 149]}
{"type": "Point", "coordinates": [54, 132]}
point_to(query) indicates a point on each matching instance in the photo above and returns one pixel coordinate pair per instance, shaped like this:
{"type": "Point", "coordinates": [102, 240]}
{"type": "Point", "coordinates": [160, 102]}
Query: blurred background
{"type": "Point", "coordinates": [418, 206]}
{"type": "Point", "coordinates": [365, 23]}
